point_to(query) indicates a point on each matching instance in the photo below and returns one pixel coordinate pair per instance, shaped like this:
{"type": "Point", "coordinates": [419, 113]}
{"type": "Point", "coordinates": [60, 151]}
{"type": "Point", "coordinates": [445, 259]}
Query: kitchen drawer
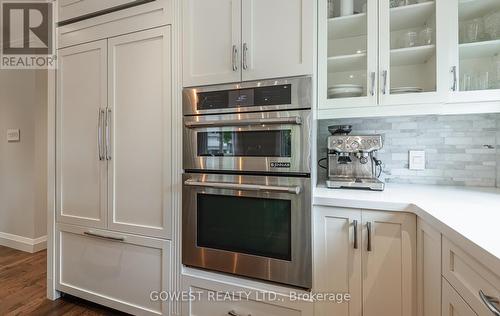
{"type": "Point", "coordinates": [453, 304]}
{"type": "Point", "coordinates": [70, 9]}
{"type": "Point", "coordinates": [208, 306]}
{"type": "Point", "coordinates": [468, 277]}
{"type": "Point", "coordinates": [116, 270]}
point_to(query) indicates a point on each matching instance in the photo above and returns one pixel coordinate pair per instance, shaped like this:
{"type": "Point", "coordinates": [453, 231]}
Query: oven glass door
{"type": "Point", "coordinates": [255, 142]}
{"type": "Point", "coordinates": [267, 143]}
{"type": "Point", "coordinates": [252, 226]}
{"type": "Point", "coordinates": [255, 226]}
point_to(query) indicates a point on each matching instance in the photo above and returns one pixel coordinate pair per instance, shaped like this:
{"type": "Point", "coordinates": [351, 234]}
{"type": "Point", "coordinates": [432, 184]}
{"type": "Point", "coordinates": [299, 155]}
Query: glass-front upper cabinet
{"type": "Point", "coordinates": [348, 49]}
{"type": "Point", "coordinates": [411, 51]}
{"type": "Point", "coordinates": [475, 68]}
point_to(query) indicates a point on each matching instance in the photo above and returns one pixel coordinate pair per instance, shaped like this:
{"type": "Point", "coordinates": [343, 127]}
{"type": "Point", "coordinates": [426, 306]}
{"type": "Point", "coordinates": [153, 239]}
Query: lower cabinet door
{"type": "Point", "coordinates": [389, 264]}
{"type": "Point", "coordinates": [453, 304]}
{"type": "Point", "coordinates": [113, 269]}
{"type": "Point", "coordinates": [337, 251]}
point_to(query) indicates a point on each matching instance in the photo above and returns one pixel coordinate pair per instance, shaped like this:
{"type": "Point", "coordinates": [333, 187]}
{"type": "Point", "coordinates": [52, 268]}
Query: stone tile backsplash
{"type": "Point", "coordinates": [460, 149]}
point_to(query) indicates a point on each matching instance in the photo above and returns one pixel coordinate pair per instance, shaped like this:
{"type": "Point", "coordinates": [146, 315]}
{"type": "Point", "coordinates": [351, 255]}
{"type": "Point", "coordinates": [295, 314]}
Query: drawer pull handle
{"type": "Point", "coordinates": [91, 234]}
{"type": "Point", "coordinates": [233, 313]}
{"type": "Point", "coordinates": [490, 303]}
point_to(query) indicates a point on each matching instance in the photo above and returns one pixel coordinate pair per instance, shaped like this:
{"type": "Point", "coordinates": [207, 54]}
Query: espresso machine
{"type": "Point", "coordinates": [352, 161]}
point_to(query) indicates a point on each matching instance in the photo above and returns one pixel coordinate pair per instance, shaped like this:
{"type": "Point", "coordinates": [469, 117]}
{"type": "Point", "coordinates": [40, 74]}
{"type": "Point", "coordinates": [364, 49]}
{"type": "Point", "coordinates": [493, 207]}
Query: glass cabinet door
{"type": "Point", "coordinates": [476, 71]}
{"type": "Point", "coordinates": [410, 51]}
{"type": "Point", "coordinates": [347, 53]}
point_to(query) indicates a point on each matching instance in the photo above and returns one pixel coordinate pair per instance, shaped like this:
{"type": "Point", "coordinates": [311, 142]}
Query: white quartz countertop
{"type": "Point", "coordinates": [468, 216]}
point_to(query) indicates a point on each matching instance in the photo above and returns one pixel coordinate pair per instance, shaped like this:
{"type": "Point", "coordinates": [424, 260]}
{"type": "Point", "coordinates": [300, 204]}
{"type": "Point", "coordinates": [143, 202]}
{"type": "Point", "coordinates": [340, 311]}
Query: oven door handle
{"type": "Point", "coordinates": [244, 187]}
{"type": "Point", "coordinates": [294, 120]}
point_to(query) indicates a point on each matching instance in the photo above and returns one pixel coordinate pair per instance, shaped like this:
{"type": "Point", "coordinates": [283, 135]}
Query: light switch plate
{"type": "Point", "coordinates": [417, 160]}
{"type": "Point", "coordinates": [13, 135]}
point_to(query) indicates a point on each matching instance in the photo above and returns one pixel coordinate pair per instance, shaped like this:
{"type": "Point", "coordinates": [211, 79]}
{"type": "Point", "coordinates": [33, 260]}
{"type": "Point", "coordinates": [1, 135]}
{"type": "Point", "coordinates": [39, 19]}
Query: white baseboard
{"type": "Point", "coordinates": [23, 243]}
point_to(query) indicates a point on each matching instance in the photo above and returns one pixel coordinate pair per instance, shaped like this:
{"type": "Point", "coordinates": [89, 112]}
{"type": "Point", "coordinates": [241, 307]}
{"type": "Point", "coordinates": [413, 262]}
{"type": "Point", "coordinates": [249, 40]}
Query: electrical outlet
{"type": "Point", "coordinates": [13, 135]}
{"type": "Point", "coordinates": [417, 160]}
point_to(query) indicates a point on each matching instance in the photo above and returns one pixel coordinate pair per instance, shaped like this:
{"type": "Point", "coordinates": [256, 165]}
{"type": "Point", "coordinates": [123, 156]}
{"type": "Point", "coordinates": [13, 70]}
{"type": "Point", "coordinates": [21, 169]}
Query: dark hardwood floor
{"type": "Point", "coordinates": [23, 289]}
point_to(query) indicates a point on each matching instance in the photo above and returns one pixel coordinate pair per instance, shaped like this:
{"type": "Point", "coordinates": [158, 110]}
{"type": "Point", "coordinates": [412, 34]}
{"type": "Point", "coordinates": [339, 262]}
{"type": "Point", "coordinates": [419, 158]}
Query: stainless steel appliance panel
{"type": "Point", "coordinates": [300, 97]}
{"type": "Point", "coordinates": [273, 142]}
{"type": "Point", "coordinates": [281, 254]}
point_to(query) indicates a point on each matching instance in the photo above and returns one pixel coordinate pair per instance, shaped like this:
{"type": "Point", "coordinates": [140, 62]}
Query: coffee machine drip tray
{"type": "Point", "coordinates": [353, 183]}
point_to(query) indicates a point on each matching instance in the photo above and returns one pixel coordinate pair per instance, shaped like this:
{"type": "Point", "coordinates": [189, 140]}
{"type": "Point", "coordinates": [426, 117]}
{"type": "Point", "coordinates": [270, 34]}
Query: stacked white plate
{"type": "Point", "coordinates": [401, 90]}
{"type": "Point", "coordinates": [345, 91]}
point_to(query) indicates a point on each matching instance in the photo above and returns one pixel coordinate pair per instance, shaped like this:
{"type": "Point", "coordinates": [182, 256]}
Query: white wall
{"type": "Point", "coordinates": [23, 164]}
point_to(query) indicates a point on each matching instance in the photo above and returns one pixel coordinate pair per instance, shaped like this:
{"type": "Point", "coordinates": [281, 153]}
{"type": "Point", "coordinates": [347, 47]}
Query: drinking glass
{"type": "Point", "coordinates": [409, 39]}
{"type": "Point", "coordinates": [331, 9]}
{"type": "Point", "coordinates": [495, 83]}
{"type": "Point", "coordinates": [473, 30]}
{"type": "Point", "coordinates": [426, 36]}
{"type": "Point", "coordinates": [492, 25]}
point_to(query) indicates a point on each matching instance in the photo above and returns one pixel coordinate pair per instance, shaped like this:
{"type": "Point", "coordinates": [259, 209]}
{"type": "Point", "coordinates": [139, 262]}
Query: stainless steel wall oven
{"type": "Point", "coordinates": [247, 188]}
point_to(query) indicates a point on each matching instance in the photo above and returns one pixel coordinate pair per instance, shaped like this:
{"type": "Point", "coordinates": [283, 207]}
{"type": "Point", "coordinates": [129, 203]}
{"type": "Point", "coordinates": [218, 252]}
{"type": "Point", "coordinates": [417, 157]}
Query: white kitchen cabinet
{"type": "Point", "coordinates": [348, 54]}
{"type": "Point", "coordinates": [81, 101]}
{"type": "Point", "coordinates": [474, 59]}
{"type": "Point", "coordinates": [389, 263]}
{"type": "Point", "coordinates": [337, 248]}
{"type": "Point", "coordinates": [233, 40]}
{"type": "Point", "coordinates": [428, 270]}
{"type": "Point", "coordinates": [113, 269]}
{"type": "Point", "coordinates": [469, 278]}
{"type": "Point", "coordinates": [408, 57]}
{"type": "Point", "coordinates": [380, 274]}
{"type": "Point", "coordinates": [453, 304]}
{"type": "Point", "coordinates": [365, 48]}
{"type": "Point", "coordinates": [212, 42]}
{"type": "Point", "coordinates": [140, 110]}
{"type": "Point", "coordinates": [277, 38]}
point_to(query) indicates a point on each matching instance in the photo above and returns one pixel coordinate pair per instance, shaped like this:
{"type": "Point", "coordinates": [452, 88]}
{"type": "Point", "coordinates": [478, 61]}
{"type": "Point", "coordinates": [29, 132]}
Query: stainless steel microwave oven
{"type": "Point", "coordinates": [257, 127]}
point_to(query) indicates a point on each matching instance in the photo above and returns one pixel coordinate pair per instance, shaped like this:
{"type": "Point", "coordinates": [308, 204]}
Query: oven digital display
{"type": "Point", "coordinates": [255, 226]}
{"type": "Point", "coordinates": [262, 96]}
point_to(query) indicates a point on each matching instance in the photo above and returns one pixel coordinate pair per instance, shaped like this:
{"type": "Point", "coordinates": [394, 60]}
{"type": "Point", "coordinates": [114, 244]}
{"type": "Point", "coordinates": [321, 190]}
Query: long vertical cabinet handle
{"type": "Point", "coordinates": [108, 134]}
{"type": "Point", "coordinates": [245, 56]}
{"type": "Point", "coordinates": [369, 231]}
{"type": "Point", "coordinates": [455, 80]}
{"type": "Point", "coordinates": [384, 82]}
{"type": "Point", "coordinates": [355, 227]}
{"type": "Point", "coordinates": [372, 83]}
{"type": "Point", "coordinates": [235, 58]}
{"type": "Point", "coordinates": [100, 142]}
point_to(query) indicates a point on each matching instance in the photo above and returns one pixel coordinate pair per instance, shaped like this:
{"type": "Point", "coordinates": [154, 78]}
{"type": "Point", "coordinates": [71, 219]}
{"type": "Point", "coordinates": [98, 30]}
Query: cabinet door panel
{"type": "Point", "coordinates": [211, 30]}
{"type": "Point", "coordinates": [337, 262]}
{"type": "Point", "coordinates": [453, 304]}
{"type": "Point", "coordinates": [115, 270]}
{"type": "Point", "coordinates": [277, 38]}
{"type": "Point", "coordinates": [413, 50]}
{"type": "Point", "coordinates": [428, 269]}
{"type": "Point", "coordinates": [347, 54]}
{"type": "Point", "coordinates": [475, 47]}
{"type": "Point", "coordinates": [140, 104]}
{"type": "Point", "coordinates": [81, 175]}
{"type": "Point", "coordinates": [389, 267]}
